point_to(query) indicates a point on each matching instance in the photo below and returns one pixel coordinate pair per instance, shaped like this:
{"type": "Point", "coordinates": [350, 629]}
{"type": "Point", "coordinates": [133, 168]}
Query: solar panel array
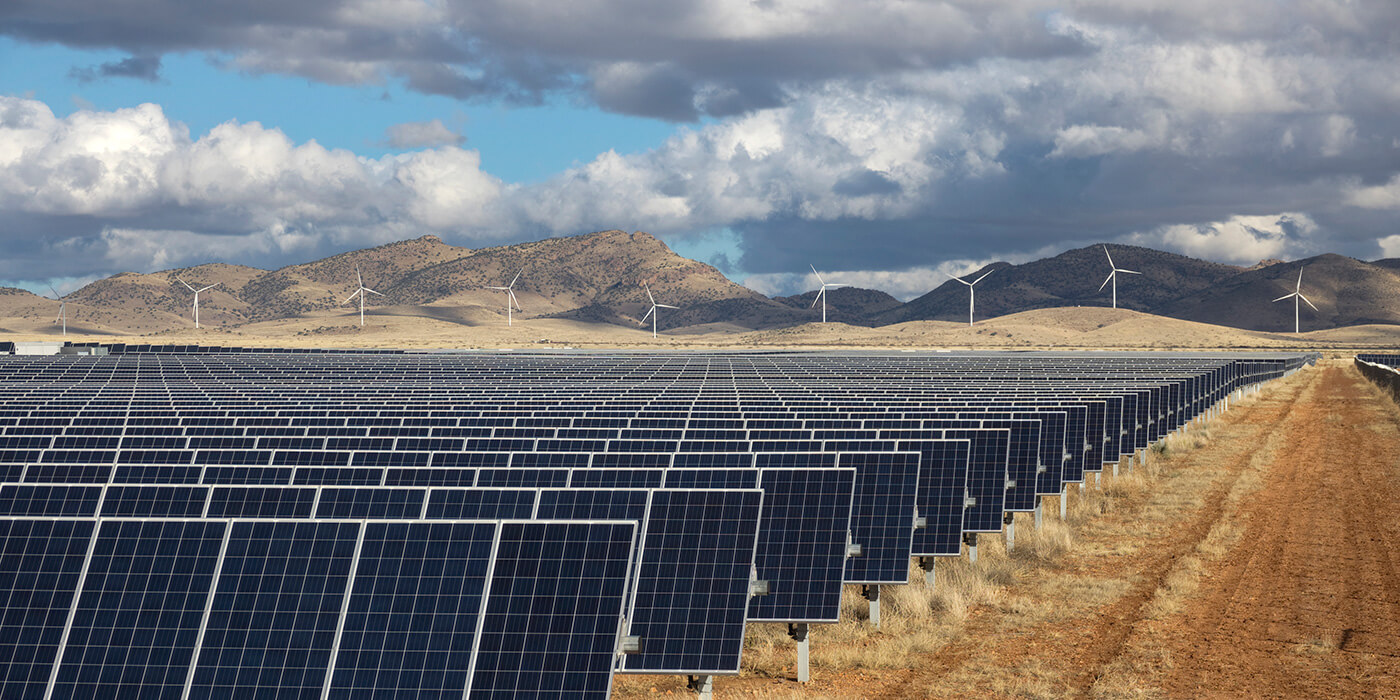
{"type": "Point", "coordinates": [217, 522]}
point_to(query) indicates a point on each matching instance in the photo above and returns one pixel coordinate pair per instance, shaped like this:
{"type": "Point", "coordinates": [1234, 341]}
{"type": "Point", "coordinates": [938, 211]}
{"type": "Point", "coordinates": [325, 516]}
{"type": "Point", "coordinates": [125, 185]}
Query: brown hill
{"type": "Point", "coordinates": [1071, 278]}
{"type": "Point", "coordinates": [853, 305]}
{"type": "Point", "coordinates": [1346, 291]}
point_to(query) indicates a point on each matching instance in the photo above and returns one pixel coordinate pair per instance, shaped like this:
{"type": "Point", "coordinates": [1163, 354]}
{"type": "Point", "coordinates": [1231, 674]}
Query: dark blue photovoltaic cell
{"type": "Point", "coordinates": [40, 563]}
{"type": "Point", "coordinates": [592, 504]}
{"type": "Point", "coordinates": [261, 502]}
{"type": "Point", "coordinates": [449, 476]}
{"type": "Point", "coordinates": [882, 515]}
{"type": "Point", "coordinates": [413, 610]}
{"type": "Point", "coordinates": [523, 478]}
{"type": "Point", "coordinates": [802, 543]}
{"type": "Point", "coordinates": [68, 474]}
{"type": "Point", "coordinates": [248, 476]}
{"type": "Point", "coordinates": [692, 587]}
{"type": "Point", "coordinates": [482, 503]}
{"type": "Point", "coordinates": [554, 610]}
{"type": "Point", "coordinates": [275, 610]}
{"type": "Point", "coordinates": [375, 503]}
{"type": "Point", "coordinates": [616, 478]}
{"type": "Point", "coordinates": [154, 501]}
{"type": "Point", "coordinates": [137, 618]}
{"type": "Point", "coordinates": [49, 500]}
{"type": "Point", "coordinates": [711, 479]}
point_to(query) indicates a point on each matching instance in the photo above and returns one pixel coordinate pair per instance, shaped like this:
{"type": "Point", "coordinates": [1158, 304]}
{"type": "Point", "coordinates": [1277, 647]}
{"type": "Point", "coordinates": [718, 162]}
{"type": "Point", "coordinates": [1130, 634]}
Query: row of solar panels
{"type": "Point", "coordinates": [203, 608]}
{"type": "Point", "coordinates": [900, 517]}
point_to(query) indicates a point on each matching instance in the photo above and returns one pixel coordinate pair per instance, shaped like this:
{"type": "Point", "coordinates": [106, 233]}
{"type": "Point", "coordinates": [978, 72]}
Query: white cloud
{"type": "Point", "coordinates": [1242, 240]}
{"type": "Point", "coordinates": [1385, 196]}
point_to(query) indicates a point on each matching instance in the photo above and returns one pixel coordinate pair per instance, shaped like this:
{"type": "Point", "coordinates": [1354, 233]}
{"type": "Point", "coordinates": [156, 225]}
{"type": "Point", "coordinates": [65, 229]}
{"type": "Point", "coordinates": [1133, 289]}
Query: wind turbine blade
{"type": "Point", "coordinates": [187, 284]}
{"type": "Point", "coordinates": [352, 296]}
{"type": "Point", "coordinates": [1300, 296]}
{"type": "Point", "coordinates": [371, 291]}
{"type": "Point", "coordinates": [668, 306]}
{"type": "Point", "coordinates": [517, 276]}
{"type": "Point", "coordinates": [818, 297]}
{"type": "Point", "coordinates": [984, 276]}
{"type": "Point", "coordinates": [649, 313]}
{"type": "Point", "coordinates": [1285, 296]}
{"type": "Point", "coordinates": [1131, 272]}
{"type": "Point", "coordinates": [500, 289]}
{"type": "Point", "coordinates": [205, 289]}
{"type": "Point", "coordinates": [650, 298]}
{"type": "Point", "coordinates": [1110, 257]}
{"type": "Point", "coordinates": [820, 281]}
{"type": "Point", "coordinates": [959, 279]}
{"type": "Point", "coordinates": [835, 285]}
{"type": "Point", "coordinates": [1299, 286]}
{"type": "Point", "coordinates": [511, 292]}
{"type": "Point", "coordinates": [56, 295]}
{"type": "Point", "coordinates": [1107, 280]}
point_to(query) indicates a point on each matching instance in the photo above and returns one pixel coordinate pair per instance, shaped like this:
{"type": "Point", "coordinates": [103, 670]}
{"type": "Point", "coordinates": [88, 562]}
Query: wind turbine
{"type": "Point", "coordinates": [510, 296]}
{"type": "Point", "coordinates": [1297, 294]}
{"type": "Point", "coordinates": [652, 311]}
{"type": "Point", "coordinates": [361, 294]}
{"type": "Point", "coordinates": [821, 293]}
{"type": "Point", "coordinates": [62, 309]}
{"type": "Point", "coordinates": [971, 292]}
{"type": "Point", "coordinates": [196, 297]}
{"type": "Point", "coordinates": [1113, 277]}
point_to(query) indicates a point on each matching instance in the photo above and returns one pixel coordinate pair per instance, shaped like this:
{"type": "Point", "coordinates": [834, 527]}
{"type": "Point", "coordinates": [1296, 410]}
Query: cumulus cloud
{"type": "Point", "coordinates": [421, 135]}
{"type": "Point", "coordinates": [858, 136]}
{"type": "Point", "coordinates": [1242, 240]}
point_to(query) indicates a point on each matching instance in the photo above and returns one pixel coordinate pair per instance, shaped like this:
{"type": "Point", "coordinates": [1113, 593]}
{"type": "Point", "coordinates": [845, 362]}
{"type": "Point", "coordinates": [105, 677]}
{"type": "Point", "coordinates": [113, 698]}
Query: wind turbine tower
{"type": "Point", "coordinates": [361, 294]}
{"type": "Point", "coordinates": [196, 297]}
{"type": "Point", "coordinates": [1297, 294]}
{"type": "Point", "coordinates": [1113, 276]}
{"type": "Point", "coordinates": [62, 310]}
{"type": "Point", "coordinates": [510, 297]}
{"type": "Point", "coordinates": [821, 293]}
{"type": "Point", "coordinates": [652, 311]}
{"type": "Point", "coordinates": [972, 293]}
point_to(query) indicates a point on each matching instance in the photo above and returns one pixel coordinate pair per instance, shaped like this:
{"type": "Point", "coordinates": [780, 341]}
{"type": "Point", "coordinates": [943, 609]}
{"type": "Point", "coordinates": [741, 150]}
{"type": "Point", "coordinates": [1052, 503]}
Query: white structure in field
{"type": "Point", "coordinates": [510, 297]}
{"type": "Point", "coordinates": [361, 294]}
{"type": "Point", "coordinates": [196, 297]}
{"type": "Point", "coordinates": [1297, 294]}
{"type": "Point", "coordinates": [652, 311]}
{"type": "Point", "coordinates": [972, 292]}
{"type": "Point", "coordinates": [1113, 276]}
{"type": "Point", "coordinates": [821, 293]}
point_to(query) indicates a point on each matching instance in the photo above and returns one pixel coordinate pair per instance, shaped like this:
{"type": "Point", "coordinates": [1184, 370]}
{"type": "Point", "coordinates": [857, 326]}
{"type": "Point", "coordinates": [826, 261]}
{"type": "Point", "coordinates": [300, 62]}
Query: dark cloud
{"type": "Point", "coordinates": [145, 68]}
{"type": "Point", "coordinates": [865, 182]}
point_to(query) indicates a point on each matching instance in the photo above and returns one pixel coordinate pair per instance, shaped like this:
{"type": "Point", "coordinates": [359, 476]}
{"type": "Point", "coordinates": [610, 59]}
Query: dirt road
{"type": "Point", "coordinates": [1307, 603]}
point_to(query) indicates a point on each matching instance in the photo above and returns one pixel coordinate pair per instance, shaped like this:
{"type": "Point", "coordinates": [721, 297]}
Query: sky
{"type": "Point", "coordinates": [885, 143]}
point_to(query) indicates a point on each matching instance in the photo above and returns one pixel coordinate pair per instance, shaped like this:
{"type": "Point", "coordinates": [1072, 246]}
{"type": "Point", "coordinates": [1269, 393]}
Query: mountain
{"type": "Point", "coordinates": [1346, 291]}
{"type": "Point", "coordinates": [852, 305]}
{"type": "Point", "coordinates": [1072, 278]}
{"type": "Point", "coordinates": [596, 277]}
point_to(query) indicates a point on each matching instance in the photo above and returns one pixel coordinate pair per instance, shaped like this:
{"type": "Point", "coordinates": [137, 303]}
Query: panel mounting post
{"type": "Point", "coordinates": [798, 631]}
{"type": "Point", "coordinates": [872, 594]}
{"type": "Point", "coordinates": [704, 687]}
{"type": "Point", "coordinates": [970, 539]}
{"type": "Point", "coordinates": [1010, 520]}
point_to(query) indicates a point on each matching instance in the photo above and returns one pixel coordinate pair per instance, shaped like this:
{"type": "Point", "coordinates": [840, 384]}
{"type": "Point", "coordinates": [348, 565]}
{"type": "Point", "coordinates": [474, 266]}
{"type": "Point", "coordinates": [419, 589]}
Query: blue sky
{"type": "Point", "coordinates": [885, 143]}
{"type": "Point", "coordinates": [517, 143]}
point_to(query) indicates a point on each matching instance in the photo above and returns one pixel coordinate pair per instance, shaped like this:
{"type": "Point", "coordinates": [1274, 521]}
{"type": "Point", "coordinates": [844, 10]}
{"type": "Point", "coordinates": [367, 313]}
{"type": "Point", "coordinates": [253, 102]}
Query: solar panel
{"type": "Point", "coordinates": [137, 618]}
{"type": "Point", "coordinates": [412, 613]}
{"type": "Point", "coordinates": [692, 590]}
{"type": "Point", "coordinates": [802, 543]}
{"type": "Point", "coordinates": [41, 562]}
{"type": "Point", "coordinates": [480, 503]}
{"type": "Point", "coordinates": [882, 515]}
{"type": "Point", "coordinates": [550, 627]}
{"type": "Point", "coordinates": [273, 617]}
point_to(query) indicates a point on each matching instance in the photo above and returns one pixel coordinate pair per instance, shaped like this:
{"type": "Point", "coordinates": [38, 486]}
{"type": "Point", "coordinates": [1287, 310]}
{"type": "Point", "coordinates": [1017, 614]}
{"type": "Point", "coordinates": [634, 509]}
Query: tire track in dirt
{"type": "Point", "coordinates": [1082, 647]}
{"type": "Point", "coordinates": [1308, 601]}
